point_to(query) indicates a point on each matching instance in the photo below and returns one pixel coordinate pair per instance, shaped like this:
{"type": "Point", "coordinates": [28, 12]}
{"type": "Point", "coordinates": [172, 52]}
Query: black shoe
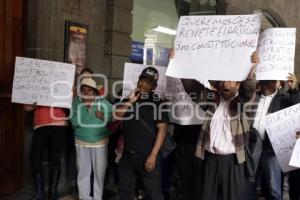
{"type": "Point", "coordinates": [39, 187]}
{"type": "Point", "coordinates": [53, 184]}
{"type": "Point", "coordinates": [39, 196]}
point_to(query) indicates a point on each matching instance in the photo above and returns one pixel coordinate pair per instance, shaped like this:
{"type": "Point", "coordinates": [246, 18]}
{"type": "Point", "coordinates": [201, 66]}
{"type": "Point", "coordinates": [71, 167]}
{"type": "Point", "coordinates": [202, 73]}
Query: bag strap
{"type": "Point", "coordinates": [148, 129]}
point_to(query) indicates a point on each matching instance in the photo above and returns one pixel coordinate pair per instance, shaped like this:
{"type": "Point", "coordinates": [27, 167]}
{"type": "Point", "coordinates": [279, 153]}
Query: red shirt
{"type": "Point", "coordinates": [46, 115]}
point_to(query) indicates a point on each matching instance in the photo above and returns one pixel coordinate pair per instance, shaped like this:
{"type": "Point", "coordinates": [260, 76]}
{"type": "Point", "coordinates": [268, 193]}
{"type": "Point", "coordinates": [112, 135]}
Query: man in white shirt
{"type": "Point", "coordinates": [270, 100]}
{"type": "Point", "coordinates": [220, 145]}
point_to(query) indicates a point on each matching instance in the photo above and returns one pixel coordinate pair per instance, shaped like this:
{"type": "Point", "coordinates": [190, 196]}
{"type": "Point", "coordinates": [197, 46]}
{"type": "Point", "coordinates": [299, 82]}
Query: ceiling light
{"type": "Point", "coordinates": [165, 30]}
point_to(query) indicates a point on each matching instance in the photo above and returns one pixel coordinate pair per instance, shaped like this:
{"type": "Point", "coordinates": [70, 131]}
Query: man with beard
{"type": "Point", "coordinates": [222, 138]}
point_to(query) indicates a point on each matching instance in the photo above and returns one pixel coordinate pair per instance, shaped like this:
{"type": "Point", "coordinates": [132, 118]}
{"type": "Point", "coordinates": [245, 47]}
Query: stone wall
{"type": "Point", "coordinates": [118, 31]}
{"type": "Point", "coordinates": [46, 24]}
{"type": "Point", "coordinates": [287, 10]}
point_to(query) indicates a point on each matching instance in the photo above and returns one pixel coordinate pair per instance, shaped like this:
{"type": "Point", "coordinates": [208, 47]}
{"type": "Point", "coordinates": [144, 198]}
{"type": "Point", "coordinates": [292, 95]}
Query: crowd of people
{"type": "Point", "coordinates": [210, 159]}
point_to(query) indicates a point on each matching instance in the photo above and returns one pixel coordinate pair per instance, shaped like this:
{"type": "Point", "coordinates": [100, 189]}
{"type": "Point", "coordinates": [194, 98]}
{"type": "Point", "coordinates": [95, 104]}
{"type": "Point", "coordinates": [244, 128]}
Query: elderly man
{"type": "Point", "coordinates": [222, 138]}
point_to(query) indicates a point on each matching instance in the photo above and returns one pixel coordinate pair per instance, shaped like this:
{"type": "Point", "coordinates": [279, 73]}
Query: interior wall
{"type": "Point", "coordinates": [148, 14]}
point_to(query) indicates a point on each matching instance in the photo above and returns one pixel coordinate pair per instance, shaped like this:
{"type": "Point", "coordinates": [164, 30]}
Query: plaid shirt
{"type": "Point", "coordinates": [239, 129]}
{"type": "Point", "coordinates": [239, 122]}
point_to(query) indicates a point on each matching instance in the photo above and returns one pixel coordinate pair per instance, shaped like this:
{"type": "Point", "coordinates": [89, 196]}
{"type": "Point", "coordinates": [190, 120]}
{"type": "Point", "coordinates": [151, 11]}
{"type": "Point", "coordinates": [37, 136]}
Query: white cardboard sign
{"type": "Point", "coordinates": [131, 76]}
{"type": "Point", "coordinates": [276, 49]}
{"type": "Point", "coordinates": [214, 47]}
{"type": "Point", "coordinates": [281, 128]}
{"type": "Point", "coordinates": [47, 83]}
{"type": "Point", "coordinates": [184, 110]}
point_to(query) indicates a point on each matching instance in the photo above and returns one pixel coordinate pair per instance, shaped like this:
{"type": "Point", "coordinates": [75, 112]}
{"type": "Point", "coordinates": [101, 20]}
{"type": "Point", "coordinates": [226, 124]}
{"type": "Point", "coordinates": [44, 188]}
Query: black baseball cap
{"type": "Point", "coordinates": [150, 73]}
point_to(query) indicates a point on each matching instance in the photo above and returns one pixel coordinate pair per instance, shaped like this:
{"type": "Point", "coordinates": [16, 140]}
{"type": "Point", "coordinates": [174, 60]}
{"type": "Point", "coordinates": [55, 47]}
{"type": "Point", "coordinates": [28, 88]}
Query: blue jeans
{"type": "Point", "coordinates": [270, 171]}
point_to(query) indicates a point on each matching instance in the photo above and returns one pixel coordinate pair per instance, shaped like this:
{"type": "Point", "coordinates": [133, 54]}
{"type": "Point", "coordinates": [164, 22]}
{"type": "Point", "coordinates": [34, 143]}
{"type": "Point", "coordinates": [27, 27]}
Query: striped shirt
{"type": "Point", "coordinates": [221, 139]}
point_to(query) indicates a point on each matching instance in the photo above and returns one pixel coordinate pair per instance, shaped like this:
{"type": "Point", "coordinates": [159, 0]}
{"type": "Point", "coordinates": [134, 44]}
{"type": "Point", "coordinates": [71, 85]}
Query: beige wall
{"type": "Point", "coordinates": [148, 14]}
{"type": "Point", "coordinates": [287, 9]}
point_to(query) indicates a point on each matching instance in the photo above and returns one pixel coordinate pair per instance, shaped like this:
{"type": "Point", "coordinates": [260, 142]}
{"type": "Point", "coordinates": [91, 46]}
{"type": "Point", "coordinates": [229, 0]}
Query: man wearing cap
{"type": "Point", "coordinates": [90, 115]}
{"type": "Point", "coordinates": [145, 126]}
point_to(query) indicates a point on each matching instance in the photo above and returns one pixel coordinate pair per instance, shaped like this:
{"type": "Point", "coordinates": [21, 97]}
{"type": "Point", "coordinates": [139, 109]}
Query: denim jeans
{"type": "Point", "coordinates": [270, 171]}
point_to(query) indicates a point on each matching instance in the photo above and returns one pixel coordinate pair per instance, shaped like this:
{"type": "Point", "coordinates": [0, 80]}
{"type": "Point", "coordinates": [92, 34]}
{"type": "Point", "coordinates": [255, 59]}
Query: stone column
{"type": "Point", "coordinates": [118, 31]}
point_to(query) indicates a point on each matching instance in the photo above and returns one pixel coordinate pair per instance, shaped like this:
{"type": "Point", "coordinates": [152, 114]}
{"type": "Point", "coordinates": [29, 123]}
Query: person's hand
{"type": "Point", "coordinates": [171, 53]}
{"type": "Point", "coordinates": [30, 107]}
{"type": "Point", "coordinates": [134, 96]}
{"type": "Point", "coordinates": [292, 81]}
{"type": "Point", "coordinates": [150, 163]}
{"type": "Point", "coordinates": [74, 89]}
{"type": "Point", "coordinates": [298, 135]}
{"type": "Point", "coordinates": [34, 105]}
{"type": "Point", "coordinates": [251, 74]}
{"type": "Point", "coordinates": [255, 58]}
{"type": "Point", "coordinates": [99, 114]}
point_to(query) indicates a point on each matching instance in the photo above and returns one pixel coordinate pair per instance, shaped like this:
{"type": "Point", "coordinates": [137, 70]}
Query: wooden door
{"type": "Point", "coordinates": [11, 115]}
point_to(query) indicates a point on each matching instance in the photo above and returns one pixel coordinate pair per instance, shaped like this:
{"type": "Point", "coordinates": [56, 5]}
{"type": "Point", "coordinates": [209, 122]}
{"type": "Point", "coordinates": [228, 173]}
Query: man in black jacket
{"type": "Point", "coordinates": [270, 100]}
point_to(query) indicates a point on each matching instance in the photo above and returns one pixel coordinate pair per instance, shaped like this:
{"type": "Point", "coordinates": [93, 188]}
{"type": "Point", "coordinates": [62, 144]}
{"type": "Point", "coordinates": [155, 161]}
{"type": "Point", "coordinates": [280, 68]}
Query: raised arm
{"type": "Point", "coordinates": [248, 86]}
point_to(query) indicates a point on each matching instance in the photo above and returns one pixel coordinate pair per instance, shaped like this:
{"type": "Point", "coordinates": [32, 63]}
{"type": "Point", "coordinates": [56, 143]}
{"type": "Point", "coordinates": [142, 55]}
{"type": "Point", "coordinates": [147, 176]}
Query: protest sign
{"type": "Point", "coordinates": [295, 159]}
{"type": "Point", "coordinates": [281, 128]}
{"type": "Point", "coordinates": [184, 110]}
{"type": "Point", "coordinates": [276, 48]}
{"type": "Point", "coordinates": [131, 77]}
{"type": "Point", "coordinates": [47, 83]}
{"type": "Point", "coordinates": [214, 47]}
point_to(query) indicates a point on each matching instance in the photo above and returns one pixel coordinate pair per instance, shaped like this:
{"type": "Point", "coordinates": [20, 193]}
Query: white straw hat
{"type": "Point", "coordinates": [90, 83]}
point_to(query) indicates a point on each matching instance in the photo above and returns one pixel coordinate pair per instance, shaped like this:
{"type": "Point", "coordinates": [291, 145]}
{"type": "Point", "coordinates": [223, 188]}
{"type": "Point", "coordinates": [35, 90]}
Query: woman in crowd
{"type": "Point", "coordinates": [90, 115]}
{"type": "Point", "coordinates": [50, 127]}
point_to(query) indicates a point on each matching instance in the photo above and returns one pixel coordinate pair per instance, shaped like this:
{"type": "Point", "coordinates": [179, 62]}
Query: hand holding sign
{"type": "Point", "coordinates": [28, 107]}
{"type": "Point", "coordinates": [171, 53]}
{"type": "Point", "coordinates": [255, 58]}
{"type": "Point", "coordinates": [281, 128]}
{"type": "Point", "coordinates": [255, 61]}
{"type": "Point", "coordinates": [295, 159]}
{"type": "Point", "coordinates": [292, 81]}
{"type": "Point", "coordinates": [298, 135]}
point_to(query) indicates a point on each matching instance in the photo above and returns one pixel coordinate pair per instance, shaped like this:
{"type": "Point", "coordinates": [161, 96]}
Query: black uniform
{"type": "Point", "coordinates": [138, 143]}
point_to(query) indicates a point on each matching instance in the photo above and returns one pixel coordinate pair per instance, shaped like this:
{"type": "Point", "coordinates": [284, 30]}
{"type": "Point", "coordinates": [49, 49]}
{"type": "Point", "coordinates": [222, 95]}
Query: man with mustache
{"type": "Point", "coordinates": [222, 138]}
